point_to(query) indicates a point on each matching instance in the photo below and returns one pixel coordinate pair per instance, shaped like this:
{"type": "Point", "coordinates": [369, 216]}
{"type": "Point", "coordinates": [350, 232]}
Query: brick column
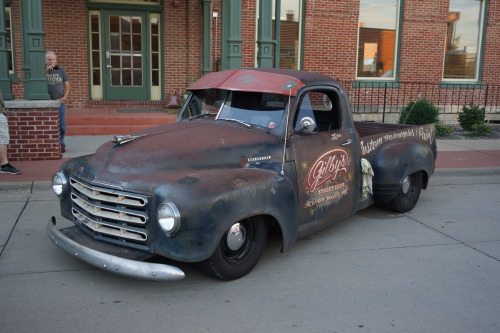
{"type": "Point", "coordinates": [34, 130]}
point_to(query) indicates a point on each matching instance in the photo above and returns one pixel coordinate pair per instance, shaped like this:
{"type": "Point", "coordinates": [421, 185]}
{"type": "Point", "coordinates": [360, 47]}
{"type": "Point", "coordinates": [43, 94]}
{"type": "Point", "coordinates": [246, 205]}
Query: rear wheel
{"type": "Point", "coordinates": [239, 250]}
{"type": "Point", "coordinates": [408, 194]}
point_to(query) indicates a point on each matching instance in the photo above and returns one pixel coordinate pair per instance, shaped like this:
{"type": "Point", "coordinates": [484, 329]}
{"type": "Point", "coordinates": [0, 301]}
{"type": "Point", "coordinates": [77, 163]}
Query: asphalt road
{"type": "Point", "coordinates": [435, 269]}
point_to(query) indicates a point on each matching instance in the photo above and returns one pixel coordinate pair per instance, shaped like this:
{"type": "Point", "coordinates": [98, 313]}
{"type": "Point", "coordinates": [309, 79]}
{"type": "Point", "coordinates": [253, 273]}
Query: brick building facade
{"type": "Point", "coordinates": [199, 36]}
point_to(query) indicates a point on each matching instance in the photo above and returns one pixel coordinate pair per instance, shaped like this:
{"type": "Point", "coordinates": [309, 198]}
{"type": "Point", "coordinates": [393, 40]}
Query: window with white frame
{"type": "Point", "coordinates": [378, 39]}
{"type": "Point", "coordinates": [463, 40]}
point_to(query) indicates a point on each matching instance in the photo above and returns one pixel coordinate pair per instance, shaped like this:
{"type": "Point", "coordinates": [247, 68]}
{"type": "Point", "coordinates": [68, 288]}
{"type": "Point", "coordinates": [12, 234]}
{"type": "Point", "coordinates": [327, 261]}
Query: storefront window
{"type": "Point", "coordinates": [378, 31]}
{"type": "Point", "coordinates": [463, 39]}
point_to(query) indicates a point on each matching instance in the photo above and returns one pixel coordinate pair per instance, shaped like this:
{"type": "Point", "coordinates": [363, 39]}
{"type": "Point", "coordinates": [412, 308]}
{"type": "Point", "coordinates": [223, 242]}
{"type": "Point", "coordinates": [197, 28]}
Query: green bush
{"type": "Point", "coordinates": [443, 131]}
{"type": "Point", "coordinates": [482, 130]}
{"type": "Point", "coordinates": [420, 112]}
{"type": "Point", "coordinates": [471, 115]}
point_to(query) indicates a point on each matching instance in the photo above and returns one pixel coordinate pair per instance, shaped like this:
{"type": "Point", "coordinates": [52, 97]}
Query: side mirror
{"type": "Point", "coordinates": [307, 125]}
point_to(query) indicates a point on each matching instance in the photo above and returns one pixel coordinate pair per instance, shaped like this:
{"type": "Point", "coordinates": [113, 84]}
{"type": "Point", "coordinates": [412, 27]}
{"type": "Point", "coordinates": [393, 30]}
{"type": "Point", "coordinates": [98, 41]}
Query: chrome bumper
{"type": "Point", "coordinates": [113, 264]}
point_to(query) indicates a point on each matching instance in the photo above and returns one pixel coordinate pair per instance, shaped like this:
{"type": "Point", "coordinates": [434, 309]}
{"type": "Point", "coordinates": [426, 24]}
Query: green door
{"type": "Point", "coordinates": [125, 56]}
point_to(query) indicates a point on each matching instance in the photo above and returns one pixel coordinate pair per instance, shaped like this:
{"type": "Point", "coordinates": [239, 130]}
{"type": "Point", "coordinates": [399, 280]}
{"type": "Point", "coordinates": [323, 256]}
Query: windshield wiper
{"type": "Point", "coordinates": [202, 115]}
{"type": "Point", "coordinates": [236, 120]}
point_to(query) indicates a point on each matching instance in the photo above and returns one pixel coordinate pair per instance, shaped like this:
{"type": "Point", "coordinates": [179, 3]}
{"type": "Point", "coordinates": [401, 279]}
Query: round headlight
{"type": "Point", "coordinates": [169, 218]}
{"type": "Point", "coordinates": [59, 183]}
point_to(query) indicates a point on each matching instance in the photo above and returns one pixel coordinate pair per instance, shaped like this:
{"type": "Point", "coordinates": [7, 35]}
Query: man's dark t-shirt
{"type": "Point", "coordinates": [55, 80]}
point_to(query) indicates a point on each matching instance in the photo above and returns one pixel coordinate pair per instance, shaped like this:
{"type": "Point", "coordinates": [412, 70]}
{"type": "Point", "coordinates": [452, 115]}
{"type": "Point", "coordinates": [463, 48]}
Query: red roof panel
{"type": "Point", "coordinates": [249, 80]}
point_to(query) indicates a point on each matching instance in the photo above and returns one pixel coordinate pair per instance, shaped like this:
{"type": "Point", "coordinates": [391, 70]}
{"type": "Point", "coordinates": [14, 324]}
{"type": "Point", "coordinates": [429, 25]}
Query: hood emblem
{"type": "Point", "coordinates": [121, 139]}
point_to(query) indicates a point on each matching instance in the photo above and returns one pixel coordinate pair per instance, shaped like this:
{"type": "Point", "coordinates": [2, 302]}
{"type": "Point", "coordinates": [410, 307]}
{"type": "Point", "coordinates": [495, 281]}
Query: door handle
{"type": "Point", "coordinates": [109, 66]}
{"type": "Point", "coordinates": [348, 142]}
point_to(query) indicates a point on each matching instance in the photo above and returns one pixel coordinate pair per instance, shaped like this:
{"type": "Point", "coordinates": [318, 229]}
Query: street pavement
{"type": "Point", "coordinates": [434, 269]}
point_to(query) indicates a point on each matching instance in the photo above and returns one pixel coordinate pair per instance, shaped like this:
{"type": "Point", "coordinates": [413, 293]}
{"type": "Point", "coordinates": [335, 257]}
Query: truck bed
{"type": "Point", "coordinates": [366, 128]}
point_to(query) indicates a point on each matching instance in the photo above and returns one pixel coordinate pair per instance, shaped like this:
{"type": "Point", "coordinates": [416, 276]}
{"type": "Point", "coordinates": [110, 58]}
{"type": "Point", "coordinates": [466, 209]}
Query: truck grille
{"type": "Point", "coordinates": [109, 213]}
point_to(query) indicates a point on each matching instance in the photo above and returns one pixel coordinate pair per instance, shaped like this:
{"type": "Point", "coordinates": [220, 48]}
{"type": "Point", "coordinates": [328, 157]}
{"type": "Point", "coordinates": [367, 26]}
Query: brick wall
{"type": "Point", "coordinates": [64, 24]}
{"type": "Point", "coordinates": [491, 63]}
{"type": "Point", "coordinates": [330, 38]}
{"type": "Point", "coordinates": [34, 132]}
{"type": "Point", "coordinates": [65, 27]}
{"type": "Point", "coordinates": [423, 40]}
{"type": "Point", "coordinates": [182, 47]}
{"type": "Point", "coordinates": [330, 41]}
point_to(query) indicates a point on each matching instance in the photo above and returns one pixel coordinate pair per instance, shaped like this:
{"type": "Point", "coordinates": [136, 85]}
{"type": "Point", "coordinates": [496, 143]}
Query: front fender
{"type": "Point", "coordinates": [396, 160]}
{"type": "Point", "coordinates": [211, 201]}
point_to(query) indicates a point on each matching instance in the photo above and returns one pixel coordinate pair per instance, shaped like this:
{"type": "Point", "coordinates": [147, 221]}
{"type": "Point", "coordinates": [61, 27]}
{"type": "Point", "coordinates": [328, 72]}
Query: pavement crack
{"type": "Point", "coordinates": [453, 238]}
{"type": "Point", "coordinates": [48, 272]}
{"type": "Point", "coordinates": [15, 224]}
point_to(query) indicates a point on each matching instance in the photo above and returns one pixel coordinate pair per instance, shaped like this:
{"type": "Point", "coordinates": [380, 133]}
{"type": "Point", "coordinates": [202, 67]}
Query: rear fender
{"type": "Point", "coordinates": [396, 160]}
{"type": "Point", "coordinates": [211, 201]}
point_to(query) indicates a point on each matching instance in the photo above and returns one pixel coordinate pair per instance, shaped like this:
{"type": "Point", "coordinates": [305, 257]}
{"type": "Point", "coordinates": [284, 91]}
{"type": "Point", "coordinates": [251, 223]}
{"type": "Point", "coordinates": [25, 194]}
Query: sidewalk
{"type": "Point", "coordinates": [452, 154]}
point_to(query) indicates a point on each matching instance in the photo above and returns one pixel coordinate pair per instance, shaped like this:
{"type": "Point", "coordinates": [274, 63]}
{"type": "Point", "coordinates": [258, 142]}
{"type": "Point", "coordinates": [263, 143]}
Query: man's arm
{"type": "Point", "coordinates": [66, 92]}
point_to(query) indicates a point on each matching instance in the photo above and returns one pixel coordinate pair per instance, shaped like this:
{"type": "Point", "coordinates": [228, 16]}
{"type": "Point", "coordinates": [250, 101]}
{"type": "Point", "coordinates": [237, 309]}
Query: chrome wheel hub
{"type": "Point", "coordinates": [236, 237]}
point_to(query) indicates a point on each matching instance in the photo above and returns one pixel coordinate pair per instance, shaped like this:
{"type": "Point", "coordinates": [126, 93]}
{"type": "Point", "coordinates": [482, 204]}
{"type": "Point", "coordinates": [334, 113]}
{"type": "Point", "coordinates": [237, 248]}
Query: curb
{"type": "Point", "coordinates": [466, 172]}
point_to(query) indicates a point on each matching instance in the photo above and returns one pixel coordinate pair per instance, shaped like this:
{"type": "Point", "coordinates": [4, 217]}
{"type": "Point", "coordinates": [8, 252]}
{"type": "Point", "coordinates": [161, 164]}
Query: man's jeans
{"type": "Point", "coordinates": [62, 120]}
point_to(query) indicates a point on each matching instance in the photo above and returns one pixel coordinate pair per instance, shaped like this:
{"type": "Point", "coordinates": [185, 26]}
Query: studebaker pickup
{"type": "Point", "coordinates": [251, 150]}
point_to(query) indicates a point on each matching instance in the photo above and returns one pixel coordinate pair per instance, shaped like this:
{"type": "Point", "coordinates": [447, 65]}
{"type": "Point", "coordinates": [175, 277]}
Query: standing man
{"type": "Point", "coordinates": [6, 167]}
{"type": "Point", "coordinates": [58, 83]}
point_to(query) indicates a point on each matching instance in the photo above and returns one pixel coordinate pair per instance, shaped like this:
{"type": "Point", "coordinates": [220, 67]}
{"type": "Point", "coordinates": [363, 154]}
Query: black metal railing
{"type": "Point", "coordinates": [389, 98]}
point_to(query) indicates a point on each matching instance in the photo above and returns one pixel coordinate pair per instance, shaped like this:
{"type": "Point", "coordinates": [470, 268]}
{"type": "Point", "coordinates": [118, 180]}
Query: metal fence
{"type": "Point", "coordinates": [386, 100]}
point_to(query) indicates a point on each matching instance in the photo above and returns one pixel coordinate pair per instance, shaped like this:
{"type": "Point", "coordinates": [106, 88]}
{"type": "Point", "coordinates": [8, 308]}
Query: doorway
{"type": "Point", "coordinates": [125, 50]}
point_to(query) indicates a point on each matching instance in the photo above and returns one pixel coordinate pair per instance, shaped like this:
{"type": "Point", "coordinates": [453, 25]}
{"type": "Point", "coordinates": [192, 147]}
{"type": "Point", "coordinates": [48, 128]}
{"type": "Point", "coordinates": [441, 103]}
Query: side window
{"type": "Point", "coordinates": [322, 107]}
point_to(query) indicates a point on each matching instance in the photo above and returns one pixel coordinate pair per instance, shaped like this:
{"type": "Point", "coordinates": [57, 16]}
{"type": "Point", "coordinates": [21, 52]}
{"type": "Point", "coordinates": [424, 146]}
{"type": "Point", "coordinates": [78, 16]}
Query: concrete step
{"type": "Point", "coordinates": [105, 121]}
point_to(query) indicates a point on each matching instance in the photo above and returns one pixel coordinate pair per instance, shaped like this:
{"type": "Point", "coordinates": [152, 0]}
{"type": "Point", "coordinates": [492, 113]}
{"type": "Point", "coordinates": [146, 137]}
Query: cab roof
{"type": "Point", "coordinates": [269, 80]}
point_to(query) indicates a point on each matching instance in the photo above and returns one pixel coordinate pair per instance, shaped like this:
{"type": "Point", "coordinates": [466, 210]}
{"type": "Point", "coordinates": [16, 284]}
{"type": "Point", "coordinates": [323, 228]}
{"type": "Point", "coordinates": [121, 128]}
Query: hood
{"type": "Point", "coordinates": [164, 153]}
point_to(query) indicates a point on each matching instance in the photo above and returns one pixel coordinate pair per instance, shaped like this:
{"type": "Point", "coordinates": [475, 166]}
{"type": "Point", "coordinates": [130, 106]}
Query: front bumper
{"type": "Point", "coordinates": [112, 263]}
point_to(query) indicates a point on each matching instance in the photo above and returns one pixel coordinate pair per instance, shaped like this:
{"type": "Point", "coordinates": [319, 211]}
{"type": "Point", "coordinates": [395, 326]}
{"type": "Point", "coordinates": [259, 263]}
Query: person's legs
{"type": "Point", "coordinates": [4, 139]}
{"type": "Point", "coordinates": [3, 155]}
{"type": "Point", "coordinates": [5, 166]}
{"type": "Point", "coordinates": [62, 120]}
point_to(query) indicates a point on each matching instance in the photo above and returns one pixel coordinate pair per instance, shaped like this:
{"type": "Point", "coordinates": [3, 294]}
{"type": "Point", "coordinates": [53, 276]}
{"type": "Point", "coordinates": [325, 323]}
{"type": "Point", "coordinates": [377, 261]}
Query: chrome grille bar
{"type": "Point", "coordinates": [111, 230]}
{"type": "Point", "coordinates": [108, 196]}
{"type": "Point", "coordinates": [110, 213]}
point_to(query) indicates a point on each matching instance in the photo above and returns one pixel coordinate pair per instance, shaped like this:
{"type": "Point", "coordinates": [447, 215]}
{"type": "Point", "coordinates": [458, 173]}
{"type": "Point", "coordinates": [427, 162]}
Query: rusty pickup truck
{"type": "Point", "coordinates": [252, 150]}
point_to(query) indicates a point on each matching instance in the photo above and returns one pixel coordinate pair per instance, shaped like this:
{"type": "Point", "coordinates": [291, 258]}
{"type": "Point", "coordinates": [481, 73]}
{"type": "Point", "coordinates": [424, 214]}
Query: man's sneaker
{"type": "Point", "coordinates": [7, 168]}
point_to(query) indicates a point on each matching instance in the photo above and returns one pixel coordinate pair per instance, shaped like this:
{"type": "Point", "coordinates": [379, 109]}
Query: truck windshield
{"type": "Point", "coordinates": [249, 108]}
{"type": "Point", "coordinates": [254, 108]}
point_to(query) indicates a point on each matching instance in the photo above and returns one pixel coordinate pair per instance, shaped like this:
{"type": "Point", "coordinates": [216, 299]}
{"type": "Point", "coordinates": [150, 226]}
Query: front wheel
{"type": "Point", "coordinates": [408, 194]}
{"type": "Point", "coordinates": [239, 250]}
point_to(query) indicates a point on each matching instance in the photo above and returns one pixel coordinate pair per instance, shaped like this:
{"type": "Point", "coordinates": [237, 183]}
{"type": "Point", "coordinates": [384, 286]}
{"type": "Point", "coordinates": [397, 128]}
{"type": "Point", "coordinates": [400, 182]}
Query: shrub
{"type": "Point", "coordinates": [482, 130]}
{"type": "Point", "coordinates": [471, 115]}
{"type": "Point", "coordinates": [420, 112]}
{"type": "Point", "coordinates": [443, 131]}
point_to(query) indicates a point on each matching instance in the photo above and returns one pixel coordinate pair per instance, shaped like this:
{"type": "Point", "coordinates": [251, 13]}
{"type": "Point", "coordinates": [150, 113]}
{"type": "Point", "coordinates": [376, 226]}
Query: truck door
{"type": "Point", "coordinates": [323, 160]}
